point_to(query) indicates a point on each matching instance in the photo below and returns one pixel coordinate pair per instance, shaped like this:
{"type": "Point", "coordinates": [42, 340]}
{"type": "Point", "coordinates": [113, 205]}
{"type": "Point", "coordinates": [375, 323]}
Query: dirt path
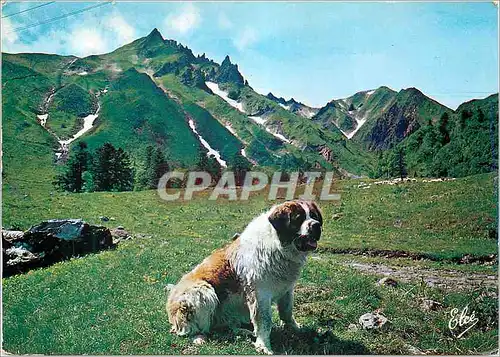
{"type": "Point", "coordinates": [442, 278]}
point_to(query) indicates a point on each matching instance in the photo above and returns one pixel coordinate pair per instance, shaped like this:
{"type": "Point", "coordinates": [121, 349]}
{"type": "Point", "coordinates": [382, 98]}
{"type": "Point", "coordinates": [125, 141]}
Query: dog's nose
{"type": "Point", "coordinates": [315, 230]}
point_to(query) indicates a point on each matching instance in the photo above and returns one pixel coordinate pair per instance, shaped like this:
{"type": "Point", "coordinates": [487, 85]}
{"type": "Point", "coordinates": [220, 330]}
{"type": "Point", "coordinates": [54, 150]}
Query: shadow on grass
{"type": "Point", "coordinates": [307, 341]}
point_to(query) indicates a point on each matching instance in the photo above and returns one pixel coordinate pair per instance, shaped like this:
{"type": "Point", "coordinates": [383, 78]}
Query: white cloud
{"type": "Point", "coordinates": [9, 36]}
{"type": "Point", "coordinates": [122, 28]}
{"type": "Point", "coordinates": [224, 22]}
{"type": "Point", "coordinates": [185, 20]}
{"type": "Point", "coordinates": [246, 38]}
{"type": "Point", "coordinates": [84, 41]}
{"type": "Point", "coordinates": [82, 38]}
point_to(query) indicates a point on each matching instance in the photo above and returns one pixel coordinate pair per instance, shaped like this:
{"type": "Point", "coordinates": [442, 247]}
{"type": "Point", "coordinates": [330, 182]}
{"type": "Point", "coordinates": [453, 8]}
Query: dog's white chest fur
{"type": "Point", "coordinates": [263, 262]}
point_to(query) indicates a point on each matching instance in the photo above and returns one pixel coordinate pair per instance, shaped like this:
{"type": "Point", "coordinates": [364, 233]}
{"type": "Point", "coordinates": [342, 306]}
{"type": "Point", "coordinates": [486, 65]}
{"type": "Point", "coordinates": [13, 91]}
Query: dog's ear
{"type": "Point", "coordinates": [315, 208]}
{"type": "Point", "coordinates": [280, 219]}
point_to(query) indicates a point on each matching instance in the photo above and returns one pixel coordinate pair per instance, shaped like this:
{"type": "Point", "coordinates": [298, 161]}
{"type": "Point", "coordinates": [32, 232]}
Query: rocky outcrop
{"type": "Point", "coordinates": [327, 153]}
{"type": "Point", "coordinates": [229, 73]}
{"type": "Point", "coordinates": [51, 241]}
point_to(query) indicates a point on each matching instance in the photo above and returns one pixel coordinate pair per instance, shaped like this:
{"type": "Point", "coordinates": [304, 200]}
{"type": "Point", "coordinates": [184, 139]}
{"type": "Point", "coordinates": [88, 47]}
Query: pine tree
{"type": "Point", "coordinates": [145, 171]}
{"type": "Point", "coordinates": [159, 168]}
{"type": "Point", "coordinates": [240, 166]}
{"type": "Point", "coordinates": [401, 164]}
{"type": "Point", "coordinates": [444, 135]}
{"type": "Point", "coordinates": [79, 162]}
{"type": "Point", "coordinates": [210, 165]}
{"type": "Point", "coordinates": [112, 170]}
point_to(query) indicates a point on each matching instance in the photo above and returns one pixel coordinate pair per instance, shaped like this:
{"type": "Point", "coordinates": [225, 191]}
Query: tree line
{"type": "Point", "coordinates": [111, 169]}
{"type": "Point", "coordinates": [453, 146]}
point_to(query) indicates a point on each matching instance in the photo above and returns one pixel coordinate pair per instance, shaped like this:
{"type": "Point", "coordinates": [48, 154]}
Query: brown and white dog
{"type": "Point", "coordinates": [237, 284]}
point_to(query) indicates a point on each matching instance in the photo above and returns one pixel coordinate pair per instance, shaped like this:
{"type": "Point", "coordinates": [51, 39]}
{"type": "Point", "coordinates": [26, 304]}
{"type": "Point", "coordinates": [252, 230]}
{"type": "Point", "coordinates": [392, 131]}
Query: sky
{"type": "Point", "coordinates": [311, 51]}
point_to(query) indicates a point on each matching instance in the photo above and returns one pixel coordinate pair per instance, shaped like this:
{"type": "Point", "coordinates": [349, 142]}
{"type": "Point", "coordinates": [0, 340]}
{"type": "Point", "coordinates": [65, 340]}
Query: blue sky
{"type": "Point", "coordinates": [313, 52]}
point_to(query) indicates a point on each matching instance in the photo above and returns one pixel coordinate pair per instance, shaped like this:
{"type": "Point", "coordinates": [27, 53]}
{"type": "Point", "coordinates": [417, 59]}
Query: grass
{"type": "Point", "coordinates": [113, 302]}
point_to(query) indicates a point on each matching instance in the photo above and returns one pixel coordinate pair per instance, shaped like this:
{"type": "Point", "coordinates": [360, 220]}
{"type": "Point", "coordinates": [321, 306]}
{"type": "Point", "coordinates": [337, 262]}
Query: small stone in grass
{"type": "Point", "coordinates": [372, 321]}
{"type": "Point", "coordinates": [352, 327]}
{"type": "Point", "coordinates": [430, 305]}
{"type": "Point", "coordinates": [104, 218]}
{"type": "Point", "coordinates": [199, 340]}
{"type": "Point", "coordinates": [387, 281]}
{"type": "Point", "coordinates": [337, 215]}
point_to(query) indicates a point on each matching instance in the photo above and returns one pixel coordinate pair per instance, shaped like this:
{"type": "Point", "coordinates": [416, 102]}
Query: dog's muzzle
{"type": "Point", "coordinates": [309, 240]}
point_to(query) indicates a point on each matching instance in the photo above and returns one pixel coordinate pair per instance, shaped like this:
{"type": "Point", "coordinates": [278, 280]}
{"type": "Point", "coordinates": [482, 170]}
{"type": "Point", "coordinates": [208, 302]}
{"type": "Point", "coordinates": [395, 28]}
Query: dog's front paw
{"type": "Point", "coordinates": [263, 347]}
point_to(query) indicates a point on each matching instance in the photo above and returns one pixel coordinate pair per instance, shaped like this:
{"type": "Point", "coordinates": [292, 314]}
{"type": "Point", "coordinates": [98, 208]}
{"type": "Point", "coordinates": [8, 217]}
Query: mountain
{"type": "Point", "coordinates": [155, 91]}
{"type": "Point", "coordinates": [293, 106]}
{"type": "Point", "coordinates": [381, 118]}
{"type": "Point", "coordinates": [401, 116]}
{"type": "Point", "coordinates": [460, 143]}
{"type": "Point", "coordinates": [410, 128]}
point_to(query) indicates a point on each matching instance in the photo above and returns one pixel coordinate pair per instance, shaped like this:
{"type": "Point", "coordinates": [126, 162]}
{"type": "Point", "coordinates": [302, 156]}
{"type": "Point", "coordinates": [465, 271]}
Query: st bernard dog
{"type": "Point", "coordinates": [238, 283]}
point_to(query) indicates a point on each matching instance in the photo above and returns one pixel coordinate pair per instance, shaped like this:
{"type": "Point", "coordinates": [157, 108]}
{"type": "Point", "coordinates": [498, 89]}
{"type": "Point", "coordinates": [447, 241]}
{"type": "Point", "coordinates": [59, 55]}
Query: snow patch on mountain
{"type": "Point", "coordinates": [214, 87]}
{"type": "Point", "coordinates": [207, 146]}
{"type": "Point", "coordinates": [278, 135]}
{"type": "Point", "coordinates": [231, 130]}
{"type": "Point", "coordinates": [43, 119]}
{"type": "Point", "coordinates": [287, 107]}
{"type": "Point", "coordinates": [88, 123]}
{"type": "Point", "coordinates": [84, 73]}
{"type": "Point", "coordinates": [360, 122]}
{"type": "Point", "coordinates": [258, 120]}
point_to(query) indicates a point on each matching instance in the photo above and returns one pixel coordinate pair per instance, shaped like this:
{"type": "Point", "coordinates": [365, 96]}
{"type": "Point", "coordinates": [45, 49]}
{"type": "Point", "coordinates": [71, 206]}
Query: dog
{"type": "Point", "coordinates": [237, 284]}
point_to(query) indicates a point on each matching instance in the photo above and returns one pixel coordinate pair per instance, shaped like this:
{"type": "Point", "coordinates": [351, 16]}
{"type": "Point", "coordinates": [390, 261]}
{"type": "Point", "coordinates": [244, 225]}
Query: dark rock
{"type": "Point", "coordinates": [466, 259]}
{"type": "Point", "coordinates": [104, 218]}
{"type": "Point", "coordinates": [52, 241]}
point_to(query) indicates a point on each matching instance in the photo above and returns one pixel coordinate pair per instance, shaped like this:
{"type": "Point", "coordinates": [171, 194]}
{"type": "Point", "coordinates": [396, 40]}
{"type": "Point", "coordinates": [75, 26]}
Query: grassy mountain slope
{"type": "Point", "coordinates": [69, 105]}
{"type": "Point", "coordinates": [147, 89]}
{"type": "Point", "coordinates": [408, 111]}
{"type": "Point", "coordinates": [464, 144]}
{"type": "Point", "coordinates": [27, 159]}
{"type": "Point", "coordinates": [342, 113]}
{"type": "Point", "coordinates": [135, 112]}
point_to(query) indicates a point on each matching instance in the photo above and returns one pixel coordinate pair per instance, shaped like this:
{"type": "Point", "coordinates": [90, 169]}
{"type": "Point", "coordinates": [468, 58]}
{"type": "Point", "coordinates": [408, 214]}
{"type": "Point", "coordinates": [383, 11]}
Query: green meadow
{"type": "Point", "coordinates": [113, 302]}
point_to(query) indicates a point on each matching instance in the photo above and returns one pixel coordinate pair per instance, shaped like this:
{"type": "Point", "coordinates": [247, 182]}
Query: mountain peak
{"type": "Point", "coordinates": [155, 34]}
{"type": "Point", "coordinates": [228, 73]}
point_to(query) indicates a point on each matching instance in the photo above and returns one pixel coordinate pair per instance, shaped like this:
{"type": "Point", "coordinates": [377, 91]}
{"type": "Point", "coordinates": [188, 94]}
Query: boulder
{"type": "Point", "coordinates": [52, 241]}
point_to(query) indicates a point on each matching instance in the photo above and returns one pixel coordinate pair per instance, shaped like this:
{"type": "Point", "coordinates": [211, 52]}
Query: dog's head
{"type": "Point", "coordinates": [298, 223]}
